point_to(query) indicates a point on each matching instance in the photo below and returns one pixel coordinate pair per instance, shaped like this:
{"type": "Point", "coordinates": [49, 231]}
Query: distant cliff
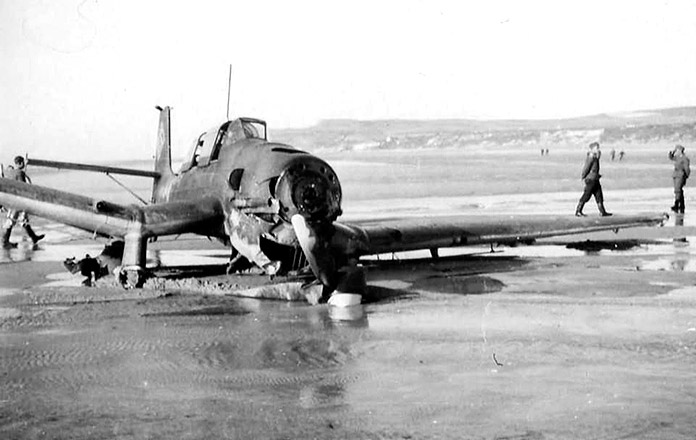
{"type": "Point", "coordinates": [648, 126]}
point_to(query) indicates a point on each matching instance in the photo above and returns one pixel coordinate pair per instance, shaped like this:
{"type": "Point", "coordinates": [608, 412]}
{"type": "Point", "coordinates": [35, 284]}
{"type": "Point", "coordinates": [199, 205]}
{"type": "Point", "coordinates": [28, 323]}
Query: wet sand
{"type": "Point", "coordinates": [532, 342]}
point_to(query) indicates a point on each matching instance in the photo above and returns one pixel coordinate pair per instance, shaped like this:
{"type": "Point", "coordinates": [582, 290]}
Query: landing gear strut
{"type": "Point", "coordinates": [132, 275]}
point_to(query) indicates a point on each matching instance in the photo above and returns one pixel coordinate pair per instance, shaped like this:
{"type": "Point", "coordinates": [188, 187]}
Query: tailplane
{"type": "Point", "coordinates": [163, 156]}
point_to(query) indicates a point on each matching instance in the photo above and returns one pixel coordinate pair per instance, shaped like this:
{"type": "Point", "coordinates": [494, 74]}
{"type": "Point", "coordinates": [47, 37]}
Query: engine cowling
{"type": "Point", "coordinates": [311, 189]}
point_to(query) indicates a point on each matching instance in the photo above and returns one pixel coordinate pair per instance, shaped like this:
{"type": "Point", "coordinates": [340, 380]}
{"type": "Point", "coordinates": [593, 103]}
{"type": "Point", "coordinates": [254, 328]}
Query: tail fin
{"type": "Point", "coordinates": [163, 157]}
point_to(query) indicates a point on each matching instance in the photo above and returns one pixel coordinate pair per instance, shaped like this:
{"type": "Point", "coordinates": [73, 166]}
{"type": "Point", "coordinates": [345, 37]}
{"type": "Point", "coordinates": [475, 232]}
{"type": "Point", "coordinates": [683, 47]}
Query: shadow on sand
{"type": "Point", "coordinates": [591, 246]}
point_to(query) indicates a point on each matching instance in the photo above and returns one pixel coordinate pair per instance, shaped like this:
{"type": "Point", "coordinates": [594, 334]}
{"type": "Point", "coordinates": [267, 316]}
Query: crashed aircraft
{"type": "Point", "coordinates": [273, 205]}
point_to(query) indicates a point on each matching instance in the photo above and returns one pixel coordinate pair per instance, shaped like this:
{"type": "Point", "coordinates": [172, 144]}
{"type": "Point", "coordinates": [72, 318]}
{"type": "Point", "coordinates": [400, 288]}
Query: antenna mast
{"type": "Point", "coordinates": [229, 87]}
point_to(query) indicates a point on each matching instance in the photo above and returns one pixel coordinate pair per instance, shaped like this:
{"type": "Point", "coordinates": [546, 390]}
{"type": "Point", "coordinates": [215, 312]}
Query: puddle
{"type": "Point", "coordinates": [685, 264]}
{"type": "Point", "coordinates": [467, 285]}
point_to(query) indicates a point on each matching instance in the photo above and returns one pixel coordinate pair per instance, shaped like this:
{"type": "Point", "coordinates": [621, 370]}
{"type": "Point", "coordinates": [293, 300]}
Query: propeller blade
{"type": "Point", "coordinates": [315, 241]}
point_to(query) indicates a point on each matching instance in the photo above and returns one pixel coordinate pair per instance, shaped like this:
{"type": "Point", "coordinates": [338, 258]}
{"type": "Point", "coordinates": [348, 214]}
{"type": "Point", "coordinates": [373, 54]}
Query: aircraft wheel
{"type": "Point", "coordinates": [131, 277]}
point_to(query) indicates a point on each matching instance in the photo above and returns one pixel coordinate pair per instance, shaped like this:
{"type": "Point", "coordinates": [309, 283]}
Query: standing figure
{"type": "Point", "coordinates": [679, 175]}
{"type": "Point", "coordinates": [590, 175]}
{"type": "Point", "coordinates": [14, 216]}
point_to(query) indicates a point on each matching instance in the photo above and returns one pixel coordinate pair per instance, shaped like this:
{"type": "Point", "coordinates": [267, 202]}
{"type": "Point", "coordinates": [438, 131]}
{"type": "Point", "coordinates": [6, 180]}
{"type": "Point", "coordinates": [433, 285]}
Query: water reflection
{"type": "Point", "coordinates": [330, 317]}
{"type": "Point", "coordinates": [680, 260]}
{"type": "Point", "coordinates": [26, 251]}
{"type": "Point", "coordinates": [352, 316]}
{"type": "Point", "coordinates": [680, 265]}
{"type": "Point", "coordinates": [678, 224]}
{"type": "Point", "coordinates": [23, 252]}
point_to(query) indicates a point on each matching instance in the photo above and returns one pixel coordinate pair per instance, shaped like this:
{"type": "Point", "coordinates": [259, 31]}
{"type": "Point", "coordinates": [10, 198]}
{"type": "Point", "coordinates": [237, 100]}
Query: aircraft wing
{"type": "Point", "coordinates": [100, 217]}
{"type": "Point", "coordinates": [92, 168]}
{"type": "Point", "coordinates": [394, 235]}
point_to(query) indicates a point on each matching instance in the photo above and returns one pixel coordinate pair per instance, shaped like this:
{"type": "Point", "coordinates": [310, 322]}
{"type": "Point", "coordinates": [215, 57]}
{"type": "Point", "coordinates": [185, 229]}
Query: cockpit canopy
{"type": "Point", "coordinates": [208, 146]}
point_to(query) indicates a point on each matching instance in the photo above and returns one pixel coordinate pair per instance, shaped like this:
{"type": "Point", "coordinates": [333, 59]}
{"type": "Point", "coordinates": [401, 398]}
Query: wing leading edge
{"type": "Point", "coordinates": [203, 216]}
{"type": "Point", "coordinates": [418, 233]}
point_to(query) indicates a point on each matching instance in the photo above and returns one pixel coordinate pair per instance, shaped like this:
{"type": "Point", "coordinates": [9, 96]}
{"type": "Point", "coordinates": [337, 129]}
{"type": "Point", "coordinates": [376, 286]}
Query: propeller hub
{"type": "Point", "coordinates": [311, 189]}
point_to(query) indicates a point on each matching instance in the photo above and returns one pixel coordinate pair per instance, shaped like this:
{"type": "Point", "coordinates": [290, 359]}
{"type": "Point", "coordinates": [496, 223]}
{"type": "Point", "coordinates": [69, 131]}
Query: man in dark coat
{"type": "Point", "coordinates": [590, 175]}
{"type": "Point", "coordinates": [679, 175]}
{"type": "Point", "coordinates": [14, 216]}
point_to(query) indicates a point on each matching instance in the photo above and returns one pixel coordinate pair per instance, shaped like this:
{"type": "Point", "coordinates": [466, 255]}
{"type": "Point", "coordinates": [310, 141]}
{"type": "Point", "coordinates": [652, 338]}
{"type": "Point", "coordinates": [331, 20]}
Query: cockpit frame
{"type": "Point", "coordinates": [208, 145]}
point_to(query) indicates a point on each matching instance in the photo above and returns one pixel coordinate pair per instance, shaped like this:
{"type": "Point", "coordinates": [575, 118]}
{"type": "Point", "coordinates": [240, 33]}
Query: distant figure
{"type": "Point", "coordinates": [547, 151]}
{"type": "Point", "coordinates": [621, 155]}
{"type": "Point", "coordinates": [613, 154]}
{"type": "Point", "coordinates": [542, 151]}
{"type": "Point", "coordinates": [15, 216]}
{"type": "Point", "coordinates": [590, 175]}
{"type": "Point", "coordinates": [681, 173]}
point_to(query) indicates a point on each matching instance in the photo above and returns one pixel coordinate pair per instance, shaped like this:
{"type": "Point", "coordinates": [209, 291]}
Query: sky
{"type": "Point", "coordinates": [80, 80]}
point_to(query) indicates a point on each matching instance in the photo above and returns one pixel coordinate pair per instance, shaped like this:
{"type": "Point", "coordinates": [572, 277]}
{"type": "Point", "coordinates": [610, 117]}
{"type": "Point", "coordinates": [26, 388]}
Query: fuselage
{"type": "Point", "coordinates": [259, 185]}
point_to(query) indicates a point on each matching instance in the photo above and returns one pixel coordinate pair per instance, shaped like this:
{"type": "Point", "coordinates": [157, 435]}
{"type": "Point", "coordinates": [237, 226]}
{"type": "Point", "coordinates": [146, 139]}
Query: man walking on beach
{"type": "Point", "coordinates": [679, 175]}
{"type": "Point", "coordinates": [590, 175]}
{"type": "Point", "coordinates": [14, 216]}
